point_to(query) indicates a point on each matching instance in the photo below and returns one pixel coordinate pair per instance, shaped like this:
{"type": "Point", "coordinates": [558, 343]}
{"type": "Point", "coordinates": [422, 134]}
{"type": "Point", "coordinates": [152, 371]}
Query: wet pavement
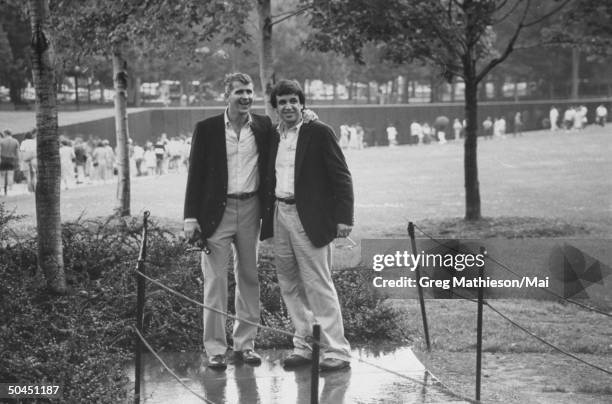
{"type": "Point", "coordinates": [390, 377]}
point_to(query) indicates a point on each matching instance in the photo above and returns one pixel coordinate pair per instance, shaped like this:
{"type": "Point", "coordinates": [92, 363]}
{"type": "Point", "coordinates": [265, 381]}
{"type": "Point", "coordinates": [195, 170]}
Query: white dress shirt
{"type": "Point", "coordinates": [242, 170]}
{"type": "Point", "coordinates": [285, 161]}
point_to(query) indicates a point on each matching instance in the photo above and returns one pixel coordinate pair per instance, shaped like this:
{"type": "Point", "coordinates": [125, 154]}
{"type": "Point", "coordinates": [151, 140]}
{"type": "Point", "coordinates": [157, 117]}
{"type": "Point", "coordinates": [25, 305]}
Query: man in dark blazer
{"type": "Point", "coordinates": [309, 203]}
{"type": "Point", "coordinates": [229, 155]}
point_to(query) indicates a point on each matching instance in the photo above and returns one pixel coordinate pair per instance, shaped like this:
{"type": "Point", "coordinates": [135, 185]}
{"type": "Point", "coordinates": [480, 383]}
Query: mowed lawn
{"type": "Point", "coordinates": [564, 175]}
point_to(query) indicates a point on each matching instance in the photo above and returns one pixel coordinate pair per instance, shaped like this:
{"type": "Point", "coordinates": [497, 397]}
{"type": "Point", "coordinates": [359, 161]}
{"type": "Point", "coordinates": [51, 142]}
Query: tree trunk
{"type": "Point", "coordinates": [472, 189]}
{"type": "Point", "coordinates": [137, 95]}
{"type": "Point", "coordinates": [368, 92]}
{"type": "Point", "coordinates": [433, 96]}
{"type": "Point", "coordinates": [121, 132]}
{"type": "Point", "coordinates": [15, 89]}
{"type": "Point", "coordinates": [498, 87]}
{"type": "Point", "coordinates": [516, 91]}
{"type": "Point", "coordinates": [406, 90]}
{"type": "Point", "coordinates": [48, 219]}
{"type": "Point", "coordinates": [266, 71]}
{"type": "Point", "coordinates": [335, 93]}
{"type": "Point", "coordinates": [575, 73]}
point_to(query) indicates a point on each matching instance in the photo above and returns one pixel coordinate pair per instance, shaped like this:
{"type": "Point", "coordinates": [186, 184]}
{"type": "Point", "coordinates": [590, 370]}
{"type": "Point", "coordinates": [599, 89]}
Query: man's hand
{"type": "Point", "coordinates": [343, 230]}
{"type": "Point", "coordinates": [308, 115]}
{"type": "Point", "coordinates": [191, 228]}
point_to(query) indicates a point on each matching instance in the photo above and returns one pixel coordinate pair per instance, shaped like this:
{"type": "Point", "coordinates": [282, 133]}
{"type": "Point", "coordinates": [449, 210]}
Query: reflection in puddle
{"type": "Point", "coordinates": [408, 381]}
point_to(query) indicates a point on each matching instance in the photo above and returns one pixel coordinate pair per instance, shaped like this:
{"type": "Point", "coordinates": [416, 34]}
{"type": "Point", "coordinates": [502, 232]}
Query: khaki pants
{"type": "Point", "coordinates": [238, 233]}
{"type": "Point", "coordinates": [304, 276]}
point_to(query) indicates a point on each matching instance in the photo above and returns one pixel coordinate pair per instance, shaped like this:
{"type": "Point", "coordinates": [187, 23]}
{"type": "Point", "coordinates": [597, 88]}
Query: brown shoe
{"type": "Point", "coordinates": [249, 356]}
{"type": "Point", "coordinates": [331, 364]}
{"type": "Point", "coordinates": [217, 362]}
{"type": "Point", "coordinates": [295, 361]}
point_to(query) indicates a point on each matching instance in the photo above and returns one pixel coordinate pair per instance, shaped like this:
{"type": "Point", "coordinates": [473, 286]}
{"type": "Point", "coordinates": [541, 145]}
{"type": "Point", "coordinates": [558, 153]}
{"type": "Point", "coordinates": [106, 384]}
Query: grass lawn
{"type": "Point", "coordinates": [540, 185]}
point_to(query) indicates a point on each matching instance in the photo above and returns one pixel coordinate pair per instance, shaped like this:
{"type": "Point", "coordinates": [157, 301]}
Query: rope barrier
{"type": "Point", "coordinates": [546, 342]}
{"type": "Point", "coordinates": [585, 306]}
{"type": "Point", "coordinates": [233, 317]}
{"type": "Point", "coordinates": [307, 339]}
{"type": "Point", "coordinates": [520, 327]}
{"type": "Point", "coordinates": [144, 341]}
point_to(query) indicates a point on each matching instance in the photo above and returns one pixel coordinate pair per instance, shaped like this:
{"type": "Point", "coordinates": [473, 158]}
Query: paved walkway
{"type": "Point", "coordinates": [390, 377]}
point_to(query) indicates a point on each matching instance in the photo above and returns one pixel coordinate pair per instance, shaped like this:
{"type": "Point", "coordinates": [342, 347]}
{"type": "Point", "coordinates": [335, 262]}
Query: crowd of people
{"type": "Point", "coordinates": [91, 161]}
{"type": "Point", "coordinates": [351, 136]}
{"type": "Point", "coordinates": [575, 117]}
{"type": "Point", "coordinates": [95, 161]}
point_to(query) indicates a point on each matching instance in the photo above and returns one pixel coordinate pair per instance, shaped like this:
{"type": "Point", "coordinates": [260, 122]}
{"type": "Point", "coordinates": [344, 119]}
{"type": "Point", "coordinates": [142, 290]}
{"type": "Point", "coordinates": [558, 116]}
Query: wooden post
{"type": "Point", "coordinates": [314, 372]}
{"type": "Point", "coordinates": [479, 329]}
{"type": "Point", "coordinates": [140, 299]}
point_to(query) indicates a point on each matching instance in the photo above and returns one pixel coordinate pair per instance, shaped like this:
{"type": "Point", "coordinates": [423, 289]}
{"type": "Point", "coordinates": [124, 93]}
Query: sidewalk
{"type": "Point", "coordinates": [390, 377]}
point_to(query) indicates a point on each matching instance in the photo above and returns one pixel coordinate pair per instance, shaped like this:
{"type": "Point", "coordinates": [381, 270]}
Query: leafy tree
{"type": "Point", "coordinates": [456, 35]}
{"type": "Point", "coordinates": [15, 70]}
{"type": "Point", "coordinates": [48, 220]}
{"type": "Point", "coordinates": [98, 27]}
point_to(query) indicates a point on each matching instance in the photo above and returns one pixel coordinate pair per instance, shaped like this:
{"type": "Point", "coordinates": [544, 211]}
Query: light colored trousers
{"type": "Point", "coordinates": [304, 276]}
{"type": "Point", "coordinates": [239, 228]}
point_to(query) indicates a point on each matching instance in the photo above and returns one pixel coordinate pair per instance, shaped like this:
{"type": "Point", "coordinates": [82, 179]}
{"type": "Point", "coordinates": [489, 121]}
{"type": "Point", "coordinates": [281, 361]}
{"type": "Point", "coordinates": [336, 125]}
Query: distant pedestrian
{"type": "Point", "coordinates": [416, 132]}
{"type": "Point", "coordinates": [109, 155]}
{"type": "Point", "coordinates": [487, 126]}
{"type": "Point", "coordinates": [345, 133]}
{"type": "Point", "coordinates": [150, 160]}
{"type": "Point", "coordinates": [29, 162]}
{"type": "Point", "coordinates": [518, 124]}
{"type": "Point", "coordinates": [9, 160]}
{"type": "Point", "coordinates": [392, 135]}
{"type": "Point", "coordinates": [67, 160]}
{"type": "Point", "coordinates": [553, 116]}
{"type": "Point", "coordinates": [441, 127]}
{"type": "Point", "coordinates": [457, 127]}
{"type": "Point", "coordinates": [358, 136]}
{"type": "Point", "coordinates": [568, 118]}
{"type": "Point", "coordinates": [138, 157]}
{"type": "Point", "coordinates": [160, 156]}
{"type": "Point", "coordinates": [427, 135]}
{"type": "Point", "coordinates": [80, 153]}
{"type": "Point", "coordinates": [99, 163]}
{"type": "Point", "coordinates": [601, 115]}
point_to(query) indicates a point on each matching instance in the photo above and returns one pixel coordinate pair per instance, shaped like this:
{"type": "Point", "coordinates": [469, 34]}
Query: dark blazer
{"type": "Point", "coordinates": [206, 194]}
{"type": "Point", "coordinates": [323, 184]}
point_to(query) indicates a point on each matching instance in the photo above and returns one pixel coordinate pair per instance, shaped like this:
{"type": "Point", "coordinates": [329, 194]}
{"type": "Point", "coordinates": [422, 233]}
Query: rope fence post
{"type": "Point", "coordinates": [140, 299]}
{"type": "Point", "coordinates": [314, 371]}
{"type": "Point", "coordinates": [419, 287]}
{"type": "Point", "coordinates": [483, 251]}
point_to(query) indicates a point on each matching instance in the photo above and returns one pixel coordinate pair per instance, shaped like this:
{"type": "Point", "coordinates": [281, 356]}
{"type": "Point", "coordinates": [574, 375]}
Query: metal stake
{"type": "Point", "coordinates": [419, 288]}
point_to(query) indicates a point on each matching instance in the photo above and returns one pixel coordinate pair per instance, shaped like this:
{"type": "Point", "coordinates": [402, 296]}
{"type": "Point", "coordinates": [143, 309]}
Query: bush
{"type": "Point", "coordinates": [83, 340]}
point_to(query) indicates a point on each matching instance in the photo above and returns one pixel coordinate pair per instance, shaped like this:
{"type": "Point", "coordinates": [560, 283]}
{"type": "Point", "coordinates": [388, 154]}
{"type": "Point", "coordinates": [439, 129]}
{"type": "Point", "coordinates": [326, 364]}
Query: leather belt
{"type": "Point", "coordinates": [242, 196]}
{"type": "Point", "coordinates": [288, 201]}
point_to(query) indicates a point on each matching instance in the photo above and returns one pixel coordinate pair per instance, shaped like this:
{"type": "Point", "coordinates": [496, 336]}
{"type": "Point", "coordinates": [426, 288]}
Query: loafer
{"type": "Point", "coordinates": [249, 356]}
{"type": "Point", "coordinates": [331, 364]}
{"type": "Point", "coordinates": [295, 360]}
{"type": "Point", "coordinates": [217, 362]}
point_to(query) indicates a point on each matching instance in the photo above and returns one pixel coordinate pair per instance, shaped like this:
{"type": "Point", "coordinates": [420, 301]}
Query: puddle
{"type": "Point", "coordinates": [386, 376]}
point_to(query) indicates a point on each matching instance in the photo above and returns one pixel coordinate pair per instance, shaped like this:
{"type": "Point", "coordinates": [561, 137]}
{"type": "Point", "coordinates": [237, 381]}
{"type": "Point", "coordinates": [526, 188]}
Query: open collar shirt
{"type": "Point", "coordinates": [242, 154]}
{"type": "Point", "coordinates": [285, 161]}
